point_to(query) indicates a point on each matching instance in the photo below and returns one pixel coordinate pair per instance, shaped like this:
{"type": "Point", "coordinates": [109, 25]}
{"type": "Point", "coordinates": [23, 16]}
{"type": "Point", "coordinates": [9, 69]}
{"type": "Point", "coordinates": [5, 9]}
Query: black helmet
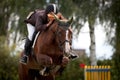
{"type": "Point", "coordinates": [52, 8]}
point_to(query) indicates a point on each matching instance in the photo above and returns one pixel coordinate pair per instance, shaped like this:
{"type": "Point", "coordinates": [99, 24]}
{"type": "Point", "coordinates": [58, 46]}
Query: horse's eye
{"type": "Point", "coordinates": [70, 42]}
{"type": "Point", "coordinates": [60, 41]}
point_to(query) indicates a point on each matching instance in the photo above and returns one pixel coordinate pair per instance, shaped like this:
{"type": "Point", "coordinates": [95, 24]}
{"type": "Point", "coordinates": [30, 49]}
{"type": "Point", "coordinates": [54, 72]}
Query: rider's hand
{"type": "Point", "coordinates": [50, 16]}
{"type": "Point", "coordinates": [49, 23]}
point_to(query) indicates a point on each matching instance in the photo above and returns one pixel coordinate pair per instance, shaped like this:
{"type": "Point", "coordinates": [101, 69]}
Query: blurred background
{"type": "Point", "coordinates": [92, 19]}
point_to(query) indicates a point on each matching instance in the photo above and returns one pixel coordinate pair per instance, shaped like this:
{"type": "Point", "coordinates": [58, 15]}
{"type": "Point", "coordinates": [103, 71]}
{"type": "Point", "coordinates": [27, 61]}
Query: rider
{"type": "Point", "coordinates": [37, 21]}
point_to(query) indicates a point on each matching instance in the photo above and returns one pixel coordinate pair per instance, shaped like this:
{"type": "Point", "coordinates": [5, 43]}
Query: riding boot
{"type": "Point", "coordinates": [28, 45]}
{"type": "Point", "coordinates": [28, 48]}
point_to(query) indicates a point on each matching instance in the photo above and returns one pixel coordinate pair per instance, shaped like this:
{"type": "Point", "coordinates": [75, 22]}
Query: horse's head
{"type": "Point", "coordinates": [63, 33]}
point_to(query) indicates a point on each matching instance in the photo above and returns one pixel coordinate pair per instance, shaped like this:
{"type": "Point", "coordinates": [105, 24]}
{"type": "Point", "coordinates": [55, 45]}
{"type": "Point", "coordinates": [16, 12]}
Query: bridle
{"type": "Point", "coordinates": [61, 43]}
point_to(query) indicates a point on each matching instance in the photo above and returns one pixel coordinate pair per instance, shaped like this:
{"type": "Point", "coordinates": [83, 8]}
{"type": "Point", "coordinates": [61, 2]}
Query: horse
{"type": "Point", "coordinates": [50, 53]}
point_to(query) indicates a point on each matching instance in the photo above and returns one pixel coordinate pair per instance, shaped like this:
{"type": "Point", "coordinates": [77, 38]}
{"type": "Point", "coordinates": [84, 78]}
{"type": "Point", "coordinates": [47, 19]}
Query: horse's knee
{"type": "Point", "coordinates": [44, 60]}
{"type": "Point", "coordinates": [65, 61]}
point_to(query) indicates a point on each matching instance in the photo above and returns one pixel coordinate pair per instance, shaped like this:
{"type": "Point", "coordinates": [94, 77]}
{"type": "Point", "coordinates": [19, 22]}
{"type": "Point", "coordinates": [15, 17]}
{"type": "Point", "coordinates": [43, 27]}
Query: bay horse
{"type": "Point", "coordinates": [50, 52]}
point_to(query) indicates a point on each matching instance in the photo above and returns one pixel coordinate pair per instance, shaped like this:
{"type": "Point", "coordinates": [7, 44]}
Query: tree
{"type": "Point", "coordinates": [89, 13]}
{"type": "Point", "coordinates": [111, 14]}
{"type": "Point", "coordinates": [8, 62]}
{"type": "Point", "coordinates": [115, 7]}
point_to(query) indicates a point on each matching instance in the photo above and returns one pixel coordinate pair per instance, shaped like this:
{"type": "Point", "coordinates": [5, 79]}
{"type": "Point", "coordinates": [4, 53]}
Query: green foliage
{"type": "Point", "coordinates": [21, 9]}
{"type": "Point", "coordinates": [8, 63]}
{"type": "Point", "coordinates": [73, 69]}
{"type": "Point", "coordinates": [105, 62]}
{"type": "Point", "coordinates": [113, 16]}
{"type": "Point", "coordinates": [8, 67]}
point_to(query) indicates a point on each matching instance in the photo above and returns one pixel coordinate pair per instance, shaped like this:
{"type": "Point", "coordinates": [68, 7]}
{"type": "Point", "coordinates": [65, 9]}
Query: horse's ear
{"type": "Point", "coordinates": [67, 24]}
{"type": "Point", "coordinates": [70, 21]}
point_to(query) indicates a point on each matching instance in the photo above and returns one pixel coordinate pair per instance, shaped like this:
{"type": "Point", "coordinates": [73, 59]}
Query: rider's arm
{"type": "Point", "coordinates": [61, 16]}
{"type": "Point", "coordinates": [39, 24]}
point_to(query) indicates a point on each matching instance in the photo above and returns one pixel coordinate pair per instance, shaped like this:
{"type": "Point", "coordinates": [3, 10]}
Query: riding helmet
{"type": "Point", "coordinates": [52, 8]}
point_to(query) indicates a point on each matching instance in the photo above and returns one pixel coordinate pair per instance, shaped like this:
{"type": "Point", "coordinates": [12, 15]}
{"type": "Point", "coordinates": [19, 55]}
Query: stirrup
{"type": "Point", "coordinates": [24, 59]}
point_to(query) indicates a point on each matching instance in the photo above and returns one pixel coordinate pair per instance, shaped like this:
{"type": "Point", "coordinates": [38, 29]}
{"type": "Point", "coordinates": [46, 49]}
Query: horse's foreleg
{"type": "Point", "coordinates": [24, 73]}
{"type": "Point", "coordinates": [44, 60]}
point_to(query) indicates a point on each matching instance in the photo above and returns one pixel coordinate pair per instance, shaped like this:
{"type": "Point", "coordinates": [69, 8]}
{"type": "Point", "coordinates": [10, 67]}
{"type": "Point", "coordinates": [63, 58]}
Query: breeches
{"type": "Point", "coordinates": [31, 30]}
